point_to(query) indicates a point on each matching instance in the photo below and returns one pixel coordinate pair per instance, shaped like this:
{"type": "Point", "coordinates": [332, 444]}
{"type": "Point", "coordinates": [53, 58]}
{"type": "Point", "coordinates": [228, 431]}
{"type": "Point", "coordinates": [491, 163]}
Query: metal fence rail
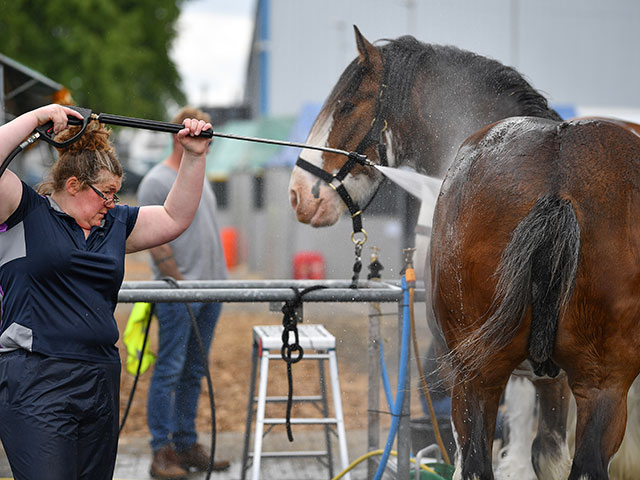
{"type": "Point", "coordinates": [261, 291]}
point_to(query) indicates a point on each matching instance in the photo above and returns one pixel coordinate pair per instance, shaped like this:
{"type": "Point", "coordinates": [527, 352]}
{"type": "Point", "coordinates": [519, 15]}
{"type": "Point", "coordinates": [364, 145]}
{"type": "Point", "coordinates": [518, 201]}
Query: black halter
{"type": "Point", "coordinates": [335, 181]}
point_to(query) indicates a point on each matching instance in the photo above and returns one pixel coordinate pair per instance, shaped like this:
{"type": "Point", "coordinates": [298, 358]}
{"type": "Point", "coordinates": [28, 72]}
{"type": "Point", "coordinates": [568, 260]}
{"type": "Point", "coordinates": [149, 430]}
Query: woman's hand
{"type": "Point", "coordinates": [188, 136]}
{"type": "Point", "coordinates": [14, 132]}
{"type": "Point", "coordinates": [56, 114]}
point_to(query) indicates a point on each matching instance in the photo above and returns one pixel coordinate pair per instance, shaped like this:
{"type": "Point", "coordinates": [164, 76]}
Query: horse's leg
{"type": "Point", "coordinates": [600, 424]}
{"type": "Point", "coordinates": [514, 460]}
{"type": "Point", "coordinates": [549, 452]}
{"type": "Point", "coordinates": [474, 407]}
{"type": "Point", "coordinates": [625, 465]}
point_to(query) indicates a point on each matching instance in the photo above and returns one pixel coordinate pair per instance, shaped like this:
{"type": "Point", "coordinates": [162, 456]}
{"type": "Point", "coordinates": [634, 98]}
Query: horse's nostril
{"type": "Point", "coordinates": [293, 197]}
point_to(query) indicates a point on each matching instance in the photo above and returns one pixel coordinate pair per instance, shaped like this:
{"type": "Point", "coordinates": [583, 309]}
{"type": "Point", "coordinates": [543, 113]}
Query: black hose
{"type": "Point", "coordinates": [29, 141]}
{"type": "Point", "coordinates": [205, 363]}
{"type": "Point", "coordinates": [207, 374]}
{"type": "Point", "coordinates": [7, 160]}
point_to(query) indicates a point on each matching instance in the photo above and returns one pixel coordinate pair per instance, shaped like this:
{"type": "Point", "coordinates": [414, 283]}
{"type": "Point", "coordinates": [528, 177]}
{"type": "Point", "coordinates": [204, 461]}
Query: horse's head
{"type": "Point", "coordinates": [350, 120]}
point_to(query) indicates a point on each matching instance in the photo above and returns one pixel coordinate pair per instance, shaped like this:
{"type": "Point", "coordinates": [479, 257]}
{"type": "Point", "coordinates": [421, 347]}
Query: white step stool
{"type": "Point", "coordinates": [318, 344]}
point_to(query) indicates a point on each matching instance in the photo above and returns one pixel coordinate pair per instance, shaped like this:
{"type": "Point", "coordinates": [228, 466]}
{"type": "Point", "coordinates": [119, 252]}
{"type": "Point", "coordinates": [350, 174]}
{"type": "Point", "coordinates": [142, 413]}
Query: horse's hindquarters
{"type": "Point", "coordinates": [534, 244]}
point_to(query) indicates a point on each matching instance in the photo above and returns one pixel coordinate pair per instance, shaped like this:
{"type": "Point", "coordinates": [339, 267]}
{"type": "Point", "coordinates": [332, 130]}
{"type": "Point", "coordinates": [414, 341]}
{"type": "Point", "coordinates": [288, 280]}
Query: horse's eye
{"type": "Point", "coordinates": [347, 108]}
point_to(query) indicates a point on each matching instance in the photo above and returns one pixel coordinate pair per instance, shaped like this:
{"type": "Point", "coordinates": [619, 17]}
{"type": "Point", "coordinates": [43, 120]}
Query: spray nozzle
{"type": "Point", "coordinates": [408, 257]}
{"type": "Point", "coordinates": [408, 271]}
{"type": "Point", "coordinates": [361, 159]}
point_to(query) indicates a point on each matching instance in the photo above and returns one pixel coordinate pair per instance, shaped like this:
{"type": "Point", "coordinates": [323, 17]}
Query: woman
{"type": "Point", "coordinates": [61, 267]}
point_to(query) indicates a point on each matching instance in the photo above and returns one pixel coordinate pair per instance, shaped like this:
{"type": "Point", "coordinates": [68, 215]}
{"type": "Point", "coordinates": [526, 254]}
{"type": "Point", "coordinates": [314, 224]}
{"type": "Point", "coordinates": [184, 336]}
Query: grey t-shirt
{"type": "Point", "coordinates": [198, 251]}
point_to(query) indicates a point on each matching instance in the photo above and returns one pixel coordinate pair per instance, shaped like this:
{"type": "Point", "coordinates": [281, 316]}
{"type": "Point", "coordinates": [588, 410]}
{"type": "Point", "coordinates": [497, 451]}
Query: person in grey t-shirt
{"type": "Point", "coordinates": [197, 254]}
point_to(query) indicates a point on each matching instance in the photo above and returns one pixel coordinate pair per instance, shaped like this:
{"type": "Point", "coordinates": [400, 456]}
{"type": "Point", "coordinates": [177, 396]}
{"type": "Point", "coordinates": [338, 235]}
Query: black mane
{"type": "Point", "coordinates": [405, 57]}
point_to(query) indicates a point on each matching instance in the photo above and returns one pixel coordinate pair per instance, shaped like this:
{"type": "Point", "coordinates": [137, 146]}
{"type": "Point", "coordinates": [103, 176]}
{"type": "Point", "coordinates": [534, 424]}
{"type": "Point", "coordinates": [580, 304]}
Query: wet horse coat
{"type": "Point", "coordinates": [535, 254]}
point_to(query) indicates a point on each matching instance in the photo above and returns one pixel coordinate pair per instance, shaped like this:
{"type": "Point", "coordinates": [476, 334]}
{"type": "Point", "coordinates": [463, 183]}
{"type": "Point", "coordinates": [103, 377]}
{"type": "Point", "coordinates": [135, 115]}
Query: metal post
{"type": "Point", "coordinates": [337, 407]}
{"type": "Point", "coordinates": [250, 411]}
{"type": "Point", "coordinates": [373, 355]}
{"type": "Point", "coordinates": [403, 439]}
{"type": "Point", "coordinates": [325, 414]}
{"type": "Point", "coordinates": [373, 415]}
{"type": "Point", "coordinates": [260, 414]}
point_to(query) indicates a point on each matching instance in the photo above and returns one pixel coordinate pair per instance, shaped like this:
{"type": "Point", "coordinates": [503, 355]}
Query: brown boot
{"type": "Point", "coordinates": [165, 464]}
{"type": "Point", "coordinates": [197, 457]}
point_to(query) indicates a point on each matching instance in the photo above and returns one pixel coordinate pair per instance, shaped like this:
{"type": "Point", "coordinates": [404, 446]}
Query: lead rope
{"type": "Point", "coordinates": [357, 265]}
{"type": "Point", "coordinates": [290, 323]}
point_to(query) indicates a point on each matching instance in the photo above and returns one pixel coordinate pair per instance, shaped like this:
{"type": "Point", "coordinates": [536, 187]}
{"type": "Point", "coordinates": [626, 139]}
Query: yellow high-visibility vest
{"type": "Point", "coordinates": [133, 339]}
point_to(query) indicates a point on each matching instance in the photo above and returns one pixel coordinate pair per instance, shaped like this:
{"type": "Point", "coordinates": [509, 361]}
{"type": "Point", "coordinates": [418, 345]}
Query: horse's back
{"type": "Point", "coordinates": [502, 170]}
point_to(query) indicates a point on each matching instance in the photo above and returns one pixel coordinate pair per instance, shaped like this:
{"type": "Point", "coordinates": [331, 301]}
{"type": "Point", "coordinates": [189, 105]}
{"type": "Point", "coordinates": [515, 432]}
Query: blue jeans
{"type": "Point", "coordinates": [172, 403]}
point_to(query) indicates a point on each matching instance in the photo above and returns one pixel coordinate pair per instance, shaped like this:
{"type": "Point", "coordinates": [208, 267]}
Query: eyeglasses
{"type": "Point", "coordinates": [115, 199]}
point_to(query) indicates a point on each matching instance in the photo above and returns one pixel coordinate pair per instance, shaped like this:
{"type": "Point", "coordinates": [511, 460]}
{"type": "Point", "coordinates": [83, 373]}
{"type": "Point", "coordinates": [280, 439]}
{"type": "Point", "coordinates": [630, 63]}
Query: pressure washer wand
{"type": "Point", "coordinates": [176, 127]}
{"type": "Point", "coordinates": [45, 132]}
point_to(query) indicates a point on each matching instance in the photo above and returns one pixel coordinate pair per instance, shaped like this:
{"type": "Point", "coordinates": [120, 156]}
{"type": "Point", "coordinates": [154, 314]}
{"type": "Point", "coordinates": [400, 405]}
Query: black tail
{"type": "Point", "coordinates": [537, 268]}
{"type": "Point", "coordinates": [553, 270]}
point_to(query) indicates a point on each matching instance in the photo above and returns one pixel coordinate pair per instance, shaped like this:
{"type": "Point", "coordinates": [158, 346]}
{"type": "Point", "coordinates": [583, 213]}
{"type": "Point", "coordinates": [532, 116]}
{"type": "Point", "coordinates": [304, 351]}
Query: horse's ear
{"type": "Point", "coordinates": [369, 55]}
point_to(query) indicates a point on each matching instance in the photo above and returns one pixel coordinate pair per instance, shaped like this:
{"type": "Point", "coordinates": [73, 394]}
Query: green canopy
{"type": "Point", "coordinates": [229, 155]}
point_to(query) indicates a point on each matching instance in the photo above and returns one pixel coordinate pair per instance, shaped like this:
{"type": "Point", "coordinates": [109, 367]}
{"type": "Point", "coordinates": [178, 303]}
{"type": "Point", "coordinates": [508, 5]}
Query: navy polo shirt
{"type": "Point", "coordinates": [58, 290]}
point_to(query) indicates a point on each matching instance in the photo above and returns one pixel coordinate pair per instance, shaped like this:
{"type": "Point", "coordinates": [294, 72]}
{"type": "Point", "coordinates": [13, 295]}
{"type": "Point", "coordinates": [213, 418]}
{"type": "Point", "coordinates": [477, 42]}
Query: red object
{"type": "Point", "coordinates": [308, 266]}
{"type": "Point", "coordinates": [229, 238]}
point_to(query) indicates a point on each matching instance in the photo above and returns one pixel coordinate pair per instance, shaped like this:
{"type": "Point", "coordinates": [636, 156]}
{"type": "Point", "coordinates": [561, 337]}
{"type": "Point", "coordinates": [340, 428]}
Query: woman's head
{"type": "Point", "coordinates": [90, 159]}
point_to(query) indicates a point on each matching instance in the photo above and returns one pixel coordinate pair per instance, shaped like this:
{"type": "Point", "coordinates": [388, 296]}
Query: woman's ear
{"type": "Point", "coordinates": [73, 185]}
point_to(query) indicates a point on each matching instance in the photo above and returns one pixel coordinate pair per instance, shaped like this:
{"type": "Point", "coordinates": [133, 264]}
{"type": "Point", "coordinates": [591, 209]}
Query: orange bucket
{"type": "Point", "coordinates": [229, 238]}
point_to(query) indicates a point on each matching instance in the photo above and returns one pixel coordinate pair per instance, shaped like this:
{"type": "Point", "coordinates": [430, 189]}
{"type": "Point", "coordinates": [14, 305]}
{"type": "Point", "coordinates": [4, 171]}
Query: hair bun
{"type": "Point", "coordinates": [95, 138]}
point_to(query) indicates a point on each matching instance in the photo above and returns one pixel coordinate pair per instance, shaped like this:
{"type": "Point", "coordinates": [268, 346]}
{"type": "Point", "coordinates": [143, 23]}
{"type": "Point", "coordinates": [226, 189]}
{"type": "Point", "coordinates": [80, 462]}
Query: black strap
{"type": "Point", "coordinates": [290, 324]}
{"type": "Point", "coordinates": [374, 135]}
{"type": "Point", "coordinates": [341, 190]}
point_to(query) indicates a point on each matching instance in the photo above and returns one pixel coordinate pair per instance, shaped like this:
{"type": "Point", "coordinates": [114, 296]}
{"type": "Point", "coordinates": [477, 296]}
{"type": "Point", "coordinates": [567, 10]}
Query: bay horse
{"type": "Point", "coordinates": [407, 103]}
{"type": "Point", "coordinates": [535, 255]}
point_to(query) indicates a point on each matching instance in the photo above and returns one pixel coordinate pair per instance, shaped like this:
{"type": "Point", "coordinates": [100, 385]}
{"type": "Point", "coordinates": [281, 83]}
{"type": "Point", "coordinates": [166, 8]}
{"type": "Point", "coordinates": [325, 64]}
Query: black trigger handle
{"type": "Point", "coordinates": [46, 130]}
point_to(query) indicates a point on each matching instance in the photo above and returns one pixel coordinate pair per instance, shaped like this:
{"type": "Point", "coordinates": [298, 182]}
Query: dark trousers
{"type": "Point", "coordinates": [58, 417]}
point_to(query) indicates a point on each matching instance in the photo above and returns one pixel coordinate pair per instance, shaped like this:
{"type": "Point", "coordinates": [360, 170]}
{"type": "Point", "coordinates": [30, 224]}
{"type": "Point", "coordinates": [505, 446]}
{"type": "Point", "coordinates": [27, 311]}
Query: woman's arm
{"type": "Point", "coordinates": [11, 135]}
{"type": "Point", "coordinates": [160, 224]}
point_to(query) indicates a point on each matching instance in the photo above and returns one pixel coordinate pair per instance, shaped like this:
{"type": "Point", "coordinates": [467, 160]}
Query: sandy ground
{"type": "Point", "coordinates": [230, 361]}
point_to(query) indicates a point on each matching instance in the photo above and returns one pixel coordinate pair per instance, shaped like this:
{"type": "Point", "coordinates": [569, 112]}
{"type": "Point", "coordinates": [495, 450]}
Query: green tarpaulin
{"type": "Point", "coordinates": [228, 155]}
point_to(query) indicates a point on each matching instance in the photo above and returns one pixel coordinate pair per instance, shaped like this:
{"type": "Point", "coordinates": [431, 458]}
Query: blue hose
{"type": "Point", "coordinates": [385, 378]}
{"type": "Point", "coordinates": [396, 408]}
